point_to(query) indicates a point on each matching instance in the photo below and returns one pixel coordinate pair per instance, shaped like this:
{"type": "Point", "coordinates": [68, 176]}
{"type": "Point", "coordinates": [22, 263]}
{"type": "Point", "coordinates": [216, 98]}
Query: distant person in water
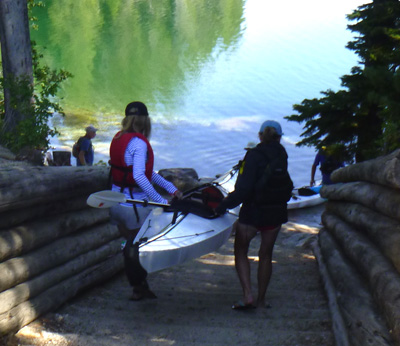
{"type": "Point", "coordinates": [263, 187]}
{"type": "Point", "coordinates": [132, 161]}
{"type": "Point", "coordinates": [86, 152]}
{"type": "Point", "coordinates": [329, 160]}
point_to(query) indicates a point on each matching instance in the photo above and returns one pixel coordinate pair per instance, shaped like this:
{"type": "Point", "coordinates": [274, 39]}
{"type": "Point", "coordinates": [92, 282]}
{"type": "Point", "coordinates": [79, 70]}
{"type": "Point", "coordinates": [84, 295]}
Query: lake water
{"type": "Point", "coordinates": [210, 71]}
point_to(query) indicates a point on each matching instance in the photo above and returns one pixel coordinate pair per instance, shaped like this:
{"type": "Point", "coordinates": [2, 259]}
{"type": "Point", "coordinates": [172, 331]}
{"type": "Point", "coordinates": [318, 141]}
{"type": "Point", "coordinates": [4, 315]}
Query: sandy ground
{"type": "Point", "coordinates": [194, 303]}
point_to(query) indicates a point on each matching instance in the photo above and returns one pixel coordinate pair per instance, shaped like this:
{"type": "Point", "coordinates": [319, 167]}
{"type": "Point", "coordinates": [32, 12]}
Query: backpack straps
{"type": "Point", "coordinates": [123, 184]}
{"type": "Point", "coordinates": [269, 169]}
{"type": "Point", "coordinates": [275, 184]}
{"type": "Point", "coordinates": [126, 171]}
{"type": "Point", "coordinates": [134, 205]}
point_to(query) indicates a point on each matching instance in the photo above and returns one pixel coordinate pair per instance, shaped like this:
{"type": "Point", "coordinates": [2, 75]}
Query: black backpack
{"type": "Point", "coordinates": [76, 148]}
{"type": "Point", "coordinates": [275, 184]}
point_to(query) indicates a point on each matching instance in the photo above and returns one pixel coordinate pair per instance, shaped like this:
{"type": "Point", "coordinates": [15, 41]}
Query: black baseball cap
{"type": "Point", "coordinates": [136, 108]}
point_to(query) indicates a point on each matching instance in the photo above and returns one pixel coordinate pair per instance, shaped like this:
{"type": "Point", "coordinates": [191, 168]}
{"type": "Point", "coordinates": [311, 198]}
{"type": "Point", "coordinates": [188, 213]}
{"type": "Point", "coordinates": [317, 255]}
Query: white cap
{"type": "Point", "coordinates": [91, 128]}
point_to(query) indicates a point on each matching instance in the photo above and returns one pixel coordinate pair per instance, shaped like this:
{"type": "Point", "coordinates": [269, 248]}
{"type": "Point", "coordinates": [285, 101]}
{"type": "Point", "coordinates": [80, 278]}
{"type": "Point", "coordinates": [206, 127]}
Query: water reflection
{"type": "Point", "coordinates": [119, 50]}
{"type": "Point", "coordinates": [210, 71]}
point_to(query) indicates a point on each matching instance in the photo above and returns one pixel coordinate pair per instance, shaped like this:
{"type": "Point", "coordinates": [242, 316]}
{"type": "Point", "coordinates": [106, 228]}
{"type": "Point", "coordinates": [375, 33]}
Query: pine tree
{"type": "Point", "coordinates": [365, 116]}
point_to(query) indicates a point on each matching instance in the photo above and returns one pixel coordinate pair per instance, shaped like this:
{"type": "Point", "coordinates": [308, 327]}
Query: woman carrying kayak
{"type": "Point", "coordinates": [132, 161]}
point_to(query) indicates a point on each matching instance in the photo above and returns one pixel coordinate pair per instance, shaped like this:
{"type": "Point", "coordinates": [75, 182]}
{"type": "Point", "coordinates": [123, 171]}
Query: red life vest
{"type": "Point", "coordinates": [121, 173]}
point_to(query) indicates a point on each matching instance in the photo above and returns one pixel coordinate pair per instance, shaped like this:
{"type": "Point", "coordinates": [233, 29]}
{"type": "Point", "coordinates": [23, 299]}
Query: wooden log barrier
{"type": "Point", "coordinates": [363, 321]}
{"type": "Point", "coordinates": [384, 170]}
{"type": "Point", "coordinates": [55, 296]}
{"type": "Point", "coordinates": [382, 277]}
{"type": "Point", "coordinates": [338, 323]}
{"type": "Point", "coordinates": [21, 187]}
{"type": "Point", "coordinates": [21, 269]}
{"type": "Point", "coordinates": [10, 218]}
{"type": "Point", "coordinates": [376, 197]}
{"type": "Point", "coordinates": [29, 236]}
{"type": "Point", "coordinates": [51, 244]}
{"type": "Point", "coordinates": [30, 289]}
{"type": "Point", "coordinates": [383, 231]}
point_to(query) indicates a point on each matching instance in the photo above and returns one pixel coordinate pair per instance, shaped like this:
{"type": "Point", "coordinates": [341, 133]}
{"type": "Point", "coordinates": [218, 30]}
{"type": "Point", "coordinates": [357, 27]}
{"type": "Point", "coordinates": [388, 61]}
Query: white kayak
{"type": "Point", "coordinates": [165, 242]}
{"type": "Point", "coordinates": [303, 199]}
{"type": "Point", "coordinates": [300, 198]}
{"type": "Point", "coordinates": [170, 238]}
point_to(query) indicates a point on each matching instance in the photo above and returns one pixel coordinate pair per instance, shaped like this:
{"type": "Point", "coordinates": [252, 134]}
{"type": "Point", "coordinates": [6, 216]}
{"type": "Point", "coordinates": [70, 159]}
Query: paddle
{"type": "Point", "coordinates": [107, 199]}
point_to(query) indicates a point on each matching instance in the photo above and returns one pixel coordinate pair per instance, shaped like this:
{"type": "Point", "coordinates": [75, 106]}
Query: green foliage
{"type": "Point", "coordinates": [33, 19]}
{"type": "Point", "coordinates": [326, 119]}
{"type": "Point", "coordinates": [34, 130]}
{"type": "Point", "coordinates": [365, 116]}
{"type": "Point", "coordinates": [101, 163]}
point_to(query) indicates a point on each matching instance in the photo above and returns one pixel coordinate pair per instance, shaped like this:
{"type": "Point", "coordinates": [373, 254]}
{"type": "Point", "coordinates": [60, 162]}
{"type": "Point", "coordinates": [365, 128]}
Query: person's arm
{"type": "Point", "coordinates": [81, 158]}
{"type": "Point", "coordinates": [313, 169]}
{"type": "Point", "coordinates": [165, 184]}
{"type": "Point", "coordinates": [244, 185]}
{"type": "Point", "coordinates": [84, 145]}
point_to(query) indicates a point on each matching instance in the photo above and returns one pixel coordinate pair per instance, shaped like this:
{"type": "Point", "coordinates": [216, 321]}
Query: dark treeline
{"type": "Point", "coordinates": [363, 118]}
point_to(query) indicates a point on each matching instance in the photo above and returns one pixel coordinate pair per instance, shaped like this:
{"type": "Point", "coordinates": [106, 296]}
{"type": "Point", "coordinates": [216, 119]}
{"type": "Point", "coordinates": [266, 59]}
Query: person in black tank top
{"type": "Point", "coordinates": [263, 187]}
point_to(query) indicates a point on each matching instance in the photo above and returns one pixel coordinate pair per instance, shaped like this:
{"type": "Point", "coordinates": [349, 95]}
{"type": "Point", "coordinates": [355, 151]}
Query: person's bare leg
{"type": "Point", "coordinates": [268, 239]}
{"type": "Point", "coordinates": [244, 234]}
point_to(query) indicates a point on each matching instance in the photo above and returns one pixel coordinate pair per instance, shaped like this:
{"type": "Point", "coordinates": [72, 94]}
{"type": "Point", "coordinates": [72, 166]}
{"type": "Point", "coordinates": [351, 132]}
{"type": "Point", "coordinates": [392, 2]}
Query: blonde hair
{"type": "Point", "coordinates": [269, 135]}
{"type": "Point", "coordinates": [137, 123]}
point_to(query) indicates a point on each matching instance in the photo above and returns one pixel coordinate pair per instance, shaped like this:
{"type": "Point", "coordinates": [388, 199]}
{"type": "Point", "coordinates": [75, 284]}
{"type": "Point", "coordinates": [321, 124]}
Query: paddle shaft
{"type": "Point", "coordinates": [146, 203]}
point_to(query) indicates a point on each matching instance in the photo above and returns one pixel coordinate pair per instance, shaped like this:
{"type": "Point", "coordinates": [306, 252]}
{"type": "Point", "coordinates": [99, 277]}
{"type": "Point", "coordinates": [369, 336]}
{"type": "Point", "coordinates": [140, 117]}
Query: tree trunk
{"type": "Point", "coordinates": [16, 59]}
{"type": "Point", "coordinates": [381, 199]}
{"type": "Point", "coordinates": [61, 158]}
{"type": "Point", "coordinates": [383, 231]}
{"type": "Point", "coordinates": [382, 277]}
{"type": "Point", "coordinates": [384, 170]}
{"type": "Point", "coordinates": [364, 324]}
{"type": "Point", "coordinates": [364, 130]}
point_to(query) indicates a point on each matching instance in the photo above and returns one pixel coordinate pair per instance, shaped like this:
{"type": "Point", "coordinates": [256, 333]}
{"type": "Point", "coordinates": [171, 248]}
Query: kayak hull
{"type": "Point", "coordinates": [191, 238]}
{"type": "Point", "coordinates": [298, 202]}
{"type": "Point", "coordinates": [171, 238]}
